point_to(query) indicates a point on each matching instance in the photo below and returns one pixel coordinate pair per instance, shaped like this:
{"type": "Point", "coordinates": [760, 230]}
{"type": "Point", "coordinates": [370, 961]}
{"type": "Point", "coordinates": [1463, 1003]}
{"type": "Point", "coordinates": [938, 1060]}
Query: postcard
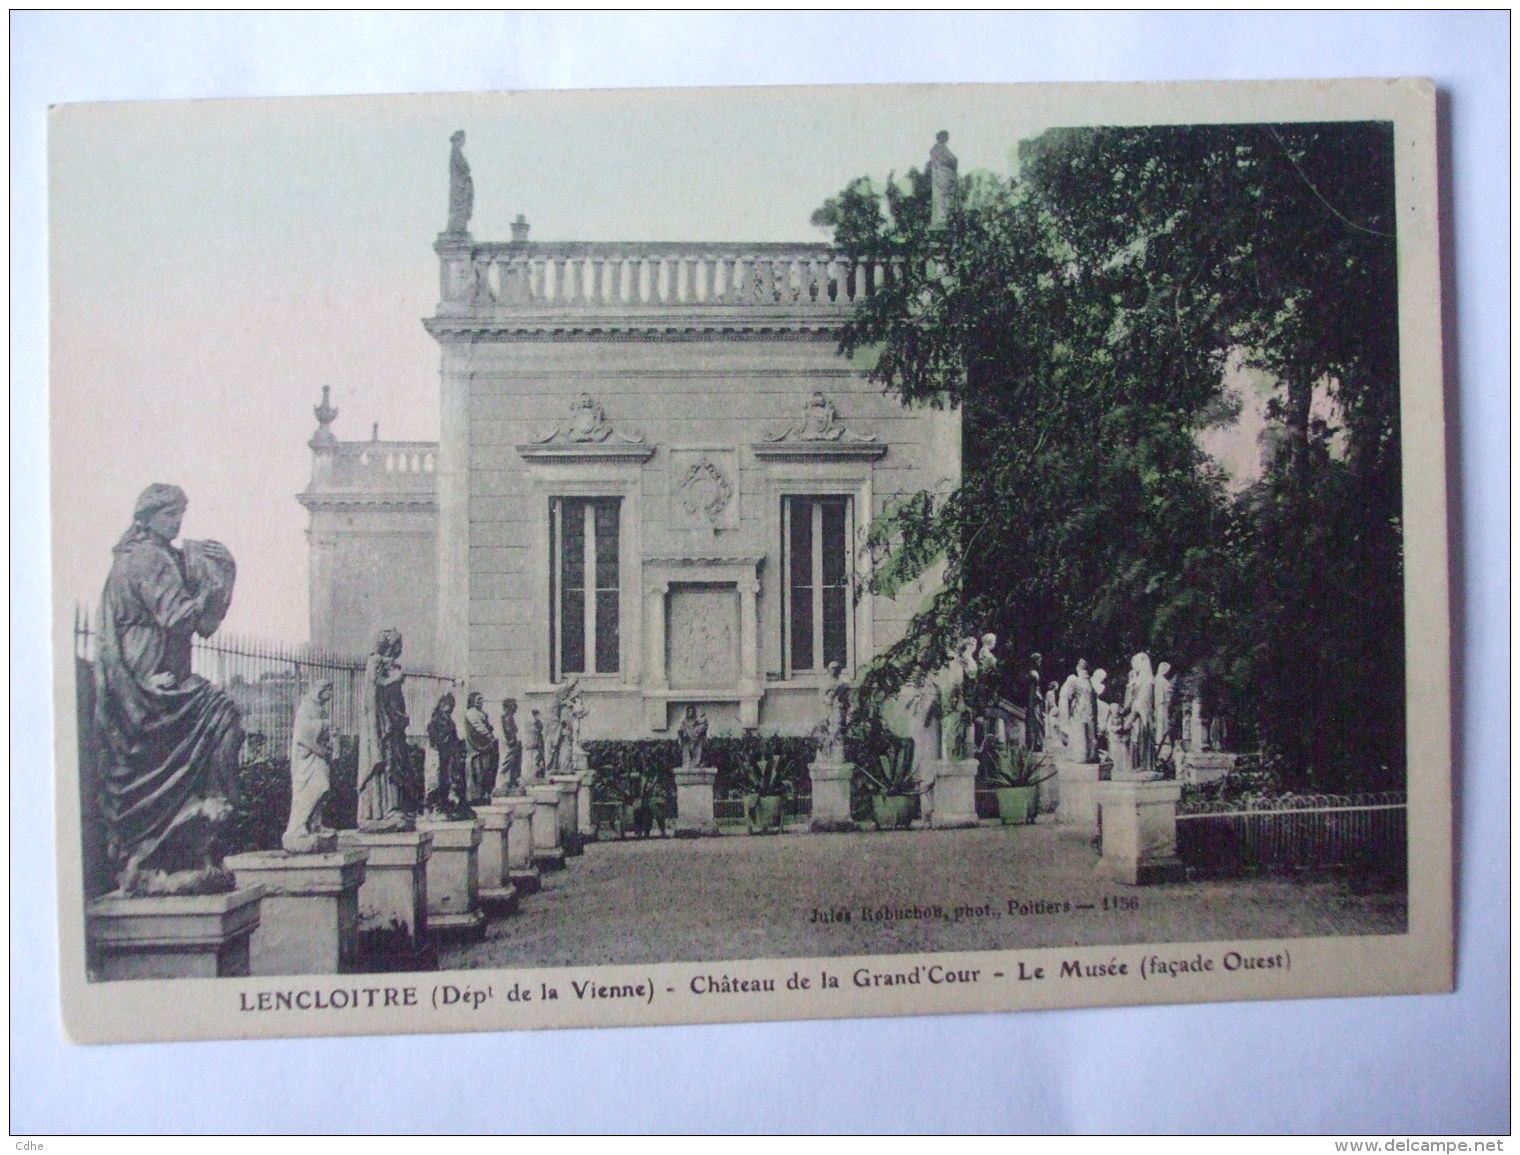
{"type": "Point", "coordinates": [531, 560]}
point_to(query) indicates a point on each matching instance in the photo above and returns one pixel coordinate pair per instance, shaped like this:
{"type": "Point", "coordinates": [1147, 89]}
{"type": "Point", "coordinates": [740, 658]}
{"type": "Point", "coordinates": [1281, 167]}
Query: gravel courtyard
{"type": "Point", "coordinates": [742, 896]}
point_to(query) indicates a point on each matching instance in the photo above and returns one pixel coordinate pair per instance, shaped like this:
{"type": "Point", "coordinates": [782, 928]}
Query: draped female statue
{"type": "Point", "coordinates": [170, 740]}
{"type": "Point", "coordinates": [383, 753]}
{"type": "Point", "coordinates": [480, 737]}
{"type": "Point", "coordinates": [310, 774]}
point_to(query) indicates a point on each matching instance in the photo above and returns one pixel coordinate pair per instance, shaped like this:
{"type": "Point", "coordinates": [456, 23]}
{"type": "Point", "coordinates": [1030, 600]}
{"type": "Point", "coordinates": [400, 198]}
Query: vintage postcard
{"type": "Point", "coordinates": [571, 559]}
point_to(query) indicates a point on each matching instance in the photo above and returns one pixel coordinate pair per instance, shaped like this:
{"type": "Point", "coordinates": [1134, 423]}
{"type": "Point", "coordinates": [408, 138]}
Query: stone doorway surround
{"type": "Point", "coordinates": [677, 586]}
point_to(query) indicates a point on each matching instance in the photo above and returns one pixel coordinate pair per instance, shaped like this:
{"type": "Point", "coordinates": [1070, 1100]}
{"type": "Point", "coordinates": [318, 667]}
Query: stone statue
{"type": "Point", "coordinates": [452, 796]}
{"type": "Point", "coordinates": [461, 188]}
{"type": "Point", "coordinates": [693, 738]}
{"type": "Point", "coordinates": [533, 746]}
{"type": "Point", "coordinates": [170, 740]}
{"type": "Point", "coordinates": [569, 709]}
{"type": "Point", "coordinates": [956, 682]}
{"type": "Point", "coordinates": [834, 701]}
{"type": "Point", "coordinates": [1034, 706]}
{"type": "Point", "coordinates": [1079, 708]}
{"type": "Point", "coordinates": [943, 168]}
{"type": "Point", "coordinates": [1118, 748]}
{"type": "Point", "coordinates": [1055, 725]}
{"type": "Point", "coordinates": [1163, 704]}
{"type": "Point", "coordinates": [310, 774]}
{"type": "Point", "coordinates": [383, 753]}
{"type": "Point", "coordinates": [510, 773]}
{"type": "Point", "coordinates": [485, 751]}
{"type": "Point", "coordinates": [1140, 716]}
{"type": "Point", "coordinates": [1101, 708]}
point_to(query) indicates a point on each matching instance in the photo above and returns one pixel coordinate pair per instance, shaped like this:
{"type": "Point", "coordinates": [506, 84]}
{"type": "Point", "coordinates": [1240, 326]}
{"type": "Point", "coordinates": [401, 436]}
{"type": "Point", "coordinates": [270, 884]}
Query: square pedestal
{"type": "Point", "coordinates": [548, 853]}
{"type": "Point", "coordinates": [496, 888]}
{"type": "Point", "coordinates": [1200, 767]}
{"type": "Point", "coordinates": [831, 796]}
{"type": "Point", "coordinates": [694, 802]}
{"type": "Point", "coordinates": [520, 869]}
{"type": "Point", "coordinates": [1139, 823]}
{"type": "Point", "coordinates": [453, 877]}
{"type": "Point", "coordinates": [954, 794]}
{"type": "Point", "coordinates": [1078, 783]}
{"type": "Point", "coordinates": [569, 814]}
{"type": "Point", "coordinates": [174, 937]}
{"type": "Point", "coordinates": [393, 900]}
{"type": "Point", "coordinates": [309, 921]}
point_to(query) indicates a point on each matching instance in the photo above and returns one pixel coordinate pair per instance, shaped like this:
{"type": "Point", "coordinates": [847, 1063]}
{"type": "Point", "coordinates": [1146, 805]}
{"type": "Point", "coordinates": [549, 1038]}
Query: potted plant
{"type": "Point", "coordinates": [892, 786]}
{"type": "Point", "coordinates": [1015, 778]}
{"type": "Point", "coordinates": [767, 781]}
{"type": "Point", "coordinates": [638, 797]}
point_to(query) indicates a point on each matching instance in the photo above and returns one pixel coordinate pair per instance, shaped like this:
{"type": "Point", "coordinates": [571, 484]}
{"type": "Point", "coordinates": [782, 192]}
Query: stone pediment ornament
{"type": "Point", "coordinates": [820, 422]}
{"type": "Point", "coordinates": [587, 424]}
{"type": "Point", "coordinates": [705, 492]}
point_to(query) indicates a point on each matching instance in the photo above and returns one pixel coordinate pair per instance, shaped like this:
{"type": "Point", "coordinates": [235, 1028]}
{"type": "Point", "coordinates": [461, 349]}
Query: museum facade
{"type": "Point", "coordinates": [654, 477]}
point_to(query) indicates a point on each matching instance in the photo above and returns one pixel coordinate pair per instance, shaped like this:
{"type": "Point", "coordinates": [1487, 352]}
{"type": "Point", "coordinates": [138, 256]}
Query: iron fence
{"type": "Point", "coordinates": [267, 680]}
{"type": "Point", "coordinates": [1313, 830]}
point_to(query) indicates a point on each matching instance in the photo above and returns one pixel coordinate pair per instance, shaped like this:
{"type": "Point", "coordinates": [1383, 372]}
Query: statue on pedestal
{"type": "Point", "coordinates": [510, 773]}
{"type": "Point", "coordinates": [170, 740]}
{"type": "Point", "coordinates": [1140, 716]}
{"type": "Point", "coordinates": [310, 774]}
{"type": "Point", "coordinates": [533, 746]}
{"type": "Point", "coordinates": [1055, 725]}
{"type": "Point", "coordinates": [1163, 704]}
{"type": "Point", "coordinates": [693, 738]}
{"type": "Point", "coordinates": [569, 710]}
{"type": "Point", "coordinates": [1079, 708]}
{"type": "Point", "coordinates": [461, 188]}
{"type": "Point", "coordinates": [943, 170]}
{"type": "Point", "coordinates": [485, 752]}
{"type": "Point", "coordinates": [452, 796]}
{"type": "Point", "coordinates": [383, 753]}
{"type": "Point", "coordinates": [834, 699]}
{"type": "Point", "coordinates": [1034, 706]}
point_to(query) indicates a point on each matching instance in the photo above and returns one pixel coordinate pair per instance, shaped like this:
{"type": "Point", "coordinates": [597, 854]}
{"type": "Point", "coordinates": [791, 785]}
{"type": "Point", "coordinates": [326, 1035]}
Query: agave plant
{"type": "Point", "coordinates": [1015, 767]}
{"type": "Point", "coordinates": [767, 775]}
{"type": "Point", "coordinates": [893, 772]}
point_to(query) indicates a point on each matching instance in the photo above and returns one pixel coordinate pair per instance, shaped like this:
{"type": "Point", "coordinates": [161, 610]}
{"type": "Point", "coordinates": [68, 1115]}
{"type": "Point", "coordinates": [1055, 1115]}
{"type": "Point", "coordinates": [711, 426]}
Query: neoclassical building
{"type": "Point", "coordinates": [654, 477]}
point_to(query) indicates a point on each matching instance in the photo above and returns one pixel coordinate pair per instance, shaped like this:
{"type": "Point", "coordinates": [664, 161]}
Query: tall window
{"type": "Point", "coordinates": [584, 580]}
{"type": "Point", "coordinates": [816, 533]}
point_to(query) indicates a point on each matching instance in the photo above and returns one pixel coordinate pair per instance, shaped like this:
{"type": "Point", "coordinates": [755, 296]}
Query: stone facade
{"type": "Point", "coordinates": [655, 477]}
{"type": "Point", "coordinates": [372, 541]}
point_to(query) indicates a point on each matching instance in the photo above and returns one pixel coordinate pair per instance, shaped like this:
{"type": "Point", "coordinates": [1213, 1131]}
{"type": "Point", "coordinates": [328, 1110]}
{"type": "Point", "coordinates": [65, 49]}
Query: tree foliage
{"type": "Point", "coordinates": [1082, 317]}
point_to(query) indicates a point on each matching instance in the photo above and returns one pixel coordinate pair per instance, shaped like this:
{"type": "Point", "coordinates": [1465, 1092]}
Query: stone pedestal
{"type": "Point", "coordinates": [174, 937]}
{"type": "Point", "coordinates": [831, 796]}
{"type": "Point", "coordinates": [393, 900]}
{"type": "Point", "coordinates": [1078, 783]}
{"type": "Point", "coordinates": [496, 889]}
{"type": "Point", "coordinates": [1139, 823]}
{"type": "Point", "coordinates": [548, 854]}
{"type": "Point", "coordinates": [569, 811]}
{"type": "Point", "coordinates": [694, 802]}
{"type": "Point", "coordinates": [584, 824]}
{"type": "Point", "coordinates": [954, 793]}
{"type": "Point", "coordinates": [309, 920]}
{"type": "Point", "coordinates": [1200, 767]}
{"type": "Point", "coordinates": [453, 877]}
{"type": "Point", "coordinates": [520, 869]}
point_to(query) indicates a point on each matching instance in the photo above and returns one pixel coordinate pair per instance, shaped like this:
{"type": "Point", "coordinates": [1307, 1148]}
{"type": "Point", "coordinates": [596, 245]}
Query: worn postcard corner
{"type": "Point", "coordinates": [707, 555]}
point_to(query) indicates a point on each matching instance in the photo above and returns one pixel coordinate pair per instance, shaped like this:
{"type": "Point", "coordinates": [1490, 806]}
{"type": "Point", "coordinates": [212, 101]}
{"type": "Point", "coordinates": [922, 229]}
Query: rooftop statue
{"type": "Point", "coordinates": [943, 170]}
{"type": "Point", "coordinates": [461, 188]}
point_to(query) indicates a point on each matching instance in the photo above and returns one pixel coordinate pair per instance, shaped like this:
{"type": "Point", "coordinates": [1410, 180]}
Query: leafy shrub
{"type": "Point", "coordinates": [729, 755]}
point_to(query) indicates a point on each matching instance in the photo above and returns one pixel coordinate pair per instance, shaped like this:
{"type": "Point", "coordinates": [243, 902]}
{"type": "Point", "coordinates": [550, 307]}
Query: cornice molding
{"type": "Point", "coordinates": [819, 450]}
{"type": "Point", "coordinates": [576, 451]}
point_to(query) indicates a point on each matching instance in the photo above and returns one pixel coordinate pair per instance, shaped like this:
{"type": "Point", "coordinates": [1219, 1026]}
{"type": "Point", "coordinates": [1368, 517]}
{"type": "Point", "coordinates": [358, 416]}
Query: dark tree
{"type": "Point", "coordinates": [1082, 317]}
